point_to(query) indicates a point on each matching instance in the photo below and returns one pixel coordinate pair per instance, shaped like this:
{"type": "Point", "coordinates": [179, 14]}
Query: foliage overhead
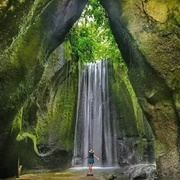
{"type": "Point", "coordinates": [91, 37]}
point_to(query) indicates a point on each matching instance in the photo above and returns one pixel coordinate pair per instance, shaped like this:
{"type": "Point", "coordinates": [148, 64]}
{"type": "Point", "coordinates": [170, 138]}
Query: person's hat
{"type": "Point", "coordinates": [91, 151]}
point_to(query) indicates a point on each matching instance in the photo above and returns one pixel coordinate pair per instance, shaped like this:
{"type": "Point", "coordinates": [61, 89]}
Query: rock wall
{"type": "Point", "coordinates": [46, 121]}
{"type": "Point", "coordinates": [147, 33]}
{"type": "Point", "coordinates": [134, 137]}
{"type": "Point", "coordinates": [30, 33]}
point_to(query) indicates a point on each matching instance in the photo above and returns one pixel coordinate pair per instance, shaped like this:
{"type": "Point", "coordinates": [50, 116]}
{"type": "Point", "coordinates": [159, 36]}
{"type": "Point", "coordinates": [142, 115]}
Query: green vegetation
{"type": "Point", "coordinates": [17, 122]}
{"type": "Point", "coordinates": [47, 115]}
{"type": "Point", "coordinates": [159, 149]}
{"type": "Point", "coordinates": [91, 37]}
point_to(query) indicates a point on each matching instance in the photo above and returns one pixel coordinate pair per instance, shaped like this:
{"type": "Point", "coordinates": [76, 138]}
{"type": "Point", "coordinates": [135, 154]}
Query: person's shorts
{"type": "Point", "coordinates": [90, 160]}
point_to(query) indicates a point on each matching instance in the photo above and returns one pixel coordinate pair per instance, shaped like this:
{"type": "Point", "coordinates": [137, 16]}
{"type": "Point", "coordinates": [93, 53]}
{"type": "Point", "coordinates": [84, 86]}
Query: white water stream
{"type": "Point", "coordinates": [94, 129]}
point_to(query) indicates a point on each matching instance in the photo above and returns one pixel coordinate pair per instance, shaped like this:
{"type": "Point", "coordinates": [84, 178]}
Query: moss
{"type": "Point", "coordinates": [67, 50]}
{"type": "Point", "coordinates": [158, 11]}
{"type": "Point", "coordinates": [121, 73]}
{"type": "Point", "coordinates": [55, 108]}
{"type": "Point", "coordinates": [22, 1]}
{"type": "Point", "coordinates": [132, 124]}
{"type": "Point", "coordinates": [25, 48]}
{"type": "Point", "coordinates": [17, 122]}
{"type": "Point", "coordinates": [62, 116]}
{"type": "Point", "coordinates": [56, 95]}
{"type": "Point", "coordinates": [159, 149]}
{"type": "Point", "coordinates": [23, 135]}
{"type": "Point", "coordinates": [41, 131]}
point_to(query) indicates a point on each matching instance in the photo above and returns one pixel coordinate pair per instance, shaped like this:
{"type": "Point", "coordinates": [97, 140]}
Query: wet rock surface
{"type": "Point", "coordinates": [141, 171]}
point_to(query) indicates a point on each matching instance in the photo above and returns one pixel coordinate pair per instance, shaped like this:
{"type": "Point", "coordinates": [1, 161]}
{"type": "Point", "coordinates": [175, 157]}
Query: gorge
{"type": "Point", "coordinates": [39, 84]}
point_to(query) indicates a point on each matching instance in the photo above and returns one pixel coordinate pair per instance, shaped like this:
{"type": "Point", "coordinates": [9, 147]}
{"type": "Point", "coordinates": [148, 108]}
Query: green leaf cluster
{"type": "Point", "coordinates": [91, 37]}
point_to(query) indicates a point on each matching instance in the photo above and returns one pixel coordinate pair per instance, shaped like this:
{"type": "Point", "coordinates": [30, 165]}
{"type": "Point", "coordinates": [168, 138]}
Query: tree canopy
{"type": "Point", "coordinates": [91, 37]}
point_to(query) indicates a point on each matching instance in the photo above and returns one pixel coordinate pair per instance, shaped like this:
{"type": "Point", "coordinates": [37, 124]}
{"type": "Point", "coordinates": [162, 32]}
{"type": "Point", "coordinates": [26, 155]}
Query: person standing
{"type": "Point", "coordinates": [91, 157]}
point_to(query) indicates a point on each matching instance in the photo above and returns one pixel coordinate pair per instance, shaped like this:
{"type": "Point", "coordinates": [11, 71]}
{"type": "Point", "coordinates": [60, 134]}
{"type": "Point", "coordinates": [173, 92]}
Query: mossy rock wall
{"type": "Point", "coordinates": [30, 33]}
{"type": "Point", "coordinates": [43, 128]}
{"type": "Point", "coordinates": [47, 119]}
{"type": "Point", "coordinates": [147, 33]}
{"type": "Point", "coordinates": [135, 140]}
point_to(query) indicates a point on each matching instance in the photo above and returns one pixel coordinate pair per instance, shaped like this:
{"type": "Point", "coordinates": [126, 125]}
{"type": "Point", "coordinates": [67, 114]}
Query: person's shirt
{"type": "Point", "coordinates": [91, 155]}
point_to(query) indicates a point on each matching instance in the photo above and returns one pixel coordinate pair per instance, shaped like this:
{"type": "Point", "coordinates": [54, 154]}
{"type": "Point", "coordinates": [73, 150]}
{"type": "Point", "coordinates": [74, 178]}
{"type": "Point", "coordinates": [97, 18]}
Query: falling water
{"type": "Point", "coordinates": [94, 130]}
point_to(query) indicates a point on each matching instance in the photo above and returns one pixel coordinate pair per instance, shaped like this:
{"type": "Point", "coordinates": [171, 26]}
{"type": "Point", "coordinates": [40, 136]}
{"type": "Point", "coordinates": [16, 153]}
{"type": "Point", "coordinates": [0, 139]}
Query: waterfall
{"type": "Point", "coordinates": [94, 129]}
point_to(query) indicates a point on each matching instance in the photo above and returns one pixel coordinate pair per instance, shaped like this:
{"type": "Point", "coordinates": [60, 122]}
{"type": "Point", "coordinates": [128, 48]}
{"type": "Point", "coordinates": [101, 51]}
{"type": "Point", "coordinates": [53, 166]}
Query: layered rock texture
{"type": "Point", "coordinates": [147, 33]}
{"type": "Point", "coordinates": [30, 96]}
{"type": "Point", "coordinates": [38, 86]}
